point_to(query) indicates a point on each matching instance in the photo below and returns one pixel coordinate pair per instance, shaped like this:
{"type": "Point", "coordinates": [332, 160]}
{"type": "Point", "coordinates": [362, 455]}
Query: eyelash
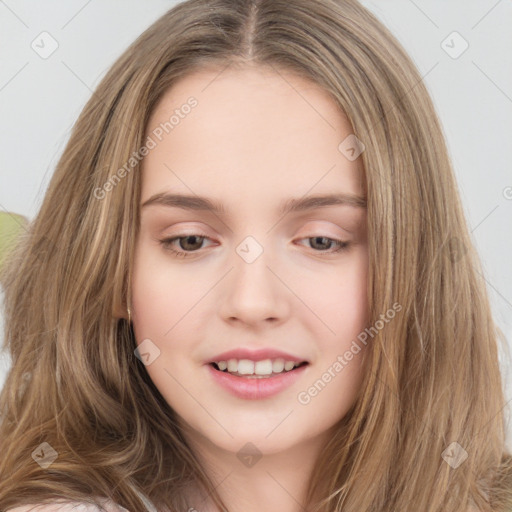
{"type": "Point", "coordinates": [166, 244]}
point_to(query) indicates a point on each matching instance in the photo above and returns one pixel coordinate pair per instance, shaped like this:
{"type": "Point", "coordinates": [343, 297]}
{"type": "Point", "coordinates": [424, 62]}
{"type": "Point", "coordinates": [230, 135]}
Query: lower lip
{"type": "Point", "coordinates": [256, 388]}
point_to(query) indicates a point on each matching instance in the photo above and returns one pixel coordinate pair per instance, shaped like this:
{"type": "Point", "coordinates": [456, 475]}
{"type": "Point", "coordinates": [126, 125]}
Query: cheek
{"type": "Point", "coordinates": [333, 386]}
{"type": "Point", "coordinates": [150, 302]}
{"type": "Point", "coordinates": [164, 299]}
{"type": "Point", "coordinates": [158, 308]}
{"type": "Point", "coordinates": [339, 300]}
{"type": "Point", "coordinates": [161, 294]}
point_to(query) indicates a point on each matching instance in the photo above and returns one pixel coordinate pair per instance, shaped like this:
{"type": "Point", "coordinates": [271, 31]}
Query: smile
{"type": "Point", "coordinates": [250, 385]}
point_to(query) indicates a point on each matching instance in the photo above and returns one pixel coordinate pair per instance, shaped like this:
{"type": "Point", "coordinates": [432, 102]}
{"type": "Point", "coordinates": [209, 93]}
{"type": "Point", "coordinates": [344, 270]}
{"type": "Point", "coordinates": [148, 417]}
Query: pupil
{"type": "Point", "coordinates": [193, 237]}
{"type": "Point", "coordinates": [326, 241]}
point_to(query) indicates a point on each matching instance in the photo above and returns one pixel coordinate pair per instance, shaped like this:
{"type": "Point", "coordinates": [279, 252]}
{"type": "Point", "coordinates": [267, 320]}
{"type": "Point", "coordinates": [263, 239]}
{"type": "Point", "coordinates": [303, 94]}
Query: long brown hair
{"type": "Point", "coordinates": [433, 377]}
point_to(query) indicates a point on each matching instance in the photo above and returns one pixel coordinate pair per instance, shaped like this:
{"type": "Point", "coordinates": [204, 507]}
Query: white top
{"type": "Point", "coordinates": [69, 506]}
{"type": "Point", "coordinates": [77, 506]}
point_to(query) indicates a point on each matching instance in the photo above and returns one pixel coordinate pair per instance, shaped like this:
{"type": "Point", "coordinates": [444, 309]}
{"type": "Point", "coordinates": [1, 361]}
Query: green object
{"type": "Point", "coordinates": [11, 226]}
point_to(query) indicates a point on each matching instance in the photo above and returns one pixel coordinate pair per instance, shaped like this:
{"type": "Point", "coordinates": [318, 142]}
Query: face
{"type": "Point", "coordinates": [255, 276]}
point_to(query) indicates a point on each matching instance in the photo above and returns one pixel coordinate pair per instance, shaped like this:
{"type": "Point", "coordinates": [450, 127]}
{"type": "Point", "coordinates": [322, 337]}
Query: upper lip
{"type": "Point", "coordinates": [255, 355]}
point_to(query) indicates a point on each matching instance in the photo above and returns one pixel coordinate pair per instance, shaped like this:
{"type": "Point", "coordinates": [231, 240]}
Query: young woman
{"type": "Point", "coordinates": [251, 285]}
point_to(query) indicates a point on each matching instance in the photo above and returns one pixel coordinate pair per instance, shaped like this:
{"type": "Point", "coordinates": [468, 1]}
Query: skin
{"type": "Point", "coordinates": [255, 139]}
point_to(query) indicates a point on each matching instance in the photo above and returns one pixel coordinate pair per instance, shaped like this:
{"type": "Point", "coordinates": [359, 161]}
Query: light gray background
{"type": "Point", "coordinates": [40, 98]}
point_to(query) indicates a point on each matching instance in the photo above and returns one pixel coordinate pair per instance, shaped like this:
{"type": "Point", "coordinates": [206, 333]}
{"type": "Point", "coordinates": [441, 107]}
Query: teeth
{"type": "Point", "coordinates": [264, 367]}
{"type": "Point", "coordinates": [278, 366]}
{"type": "Point", "coordinates": [245, 367]}
{"type": "Point", "coordinates": [289, 365]}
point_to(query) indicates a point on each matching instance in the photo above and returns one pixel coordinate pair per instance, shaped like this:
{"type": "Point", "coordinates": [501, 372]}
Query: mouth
{"type": "Point", "coordinates": [256, 379]}
{"type": "Point", "coordinates": [253, 375]}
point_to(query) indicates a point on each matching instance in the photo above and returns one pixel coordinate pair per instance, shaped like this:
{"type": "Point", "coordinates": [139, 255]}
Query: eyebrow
{"type": "Point", "coordinates": [294, 205]}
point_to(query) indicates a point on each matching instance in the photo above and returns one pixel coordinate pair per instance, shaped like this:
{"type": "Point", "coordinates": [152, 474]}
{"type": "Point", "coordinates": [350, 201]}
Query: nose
{"type": "Point", "coordinates": [254, 293]}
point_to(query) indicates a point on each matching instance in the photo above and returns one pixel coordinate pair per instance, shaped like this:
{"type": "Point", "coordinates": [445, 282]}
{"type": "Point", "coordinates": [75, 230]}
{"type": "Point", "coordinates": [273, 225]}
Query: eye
{"type": "Point", "coordinates": [192, 243]}
{"type": "Point", "coordinates": [320, 242]}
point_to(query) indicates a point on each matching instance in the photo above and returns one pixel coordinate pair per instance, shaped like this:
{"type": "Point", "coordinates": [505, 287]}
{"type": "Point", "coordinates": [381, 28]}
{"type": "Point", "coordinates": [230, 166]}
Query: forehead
{"type": "Point", "coordinates": [253, 133]}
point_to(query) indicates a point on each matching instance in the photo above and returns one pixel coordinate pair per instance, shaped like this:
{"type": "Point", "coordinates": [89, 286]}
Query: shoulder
{"type": "Point", "coordinates": [69, 506]}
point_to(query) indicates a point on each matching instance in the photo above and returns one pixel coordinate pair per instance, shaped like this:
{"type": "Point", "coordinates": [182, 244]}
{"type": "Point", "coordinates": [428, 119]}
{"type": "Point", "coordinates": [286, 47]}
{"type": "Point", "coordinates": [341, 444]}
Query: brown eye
{"type": "Point", "coordinates": [192, 242]}
{"type": "Point", "coordinates": [187, 244]}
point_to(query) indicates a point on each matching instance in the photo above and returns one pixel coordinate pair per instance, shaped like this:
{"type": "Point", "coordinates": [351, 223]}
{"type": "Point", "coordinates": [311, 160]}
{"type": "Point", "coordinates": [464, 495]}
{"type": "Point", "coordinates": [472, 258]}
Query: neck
{"type": "Point", "coordinates": [248, 481]}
